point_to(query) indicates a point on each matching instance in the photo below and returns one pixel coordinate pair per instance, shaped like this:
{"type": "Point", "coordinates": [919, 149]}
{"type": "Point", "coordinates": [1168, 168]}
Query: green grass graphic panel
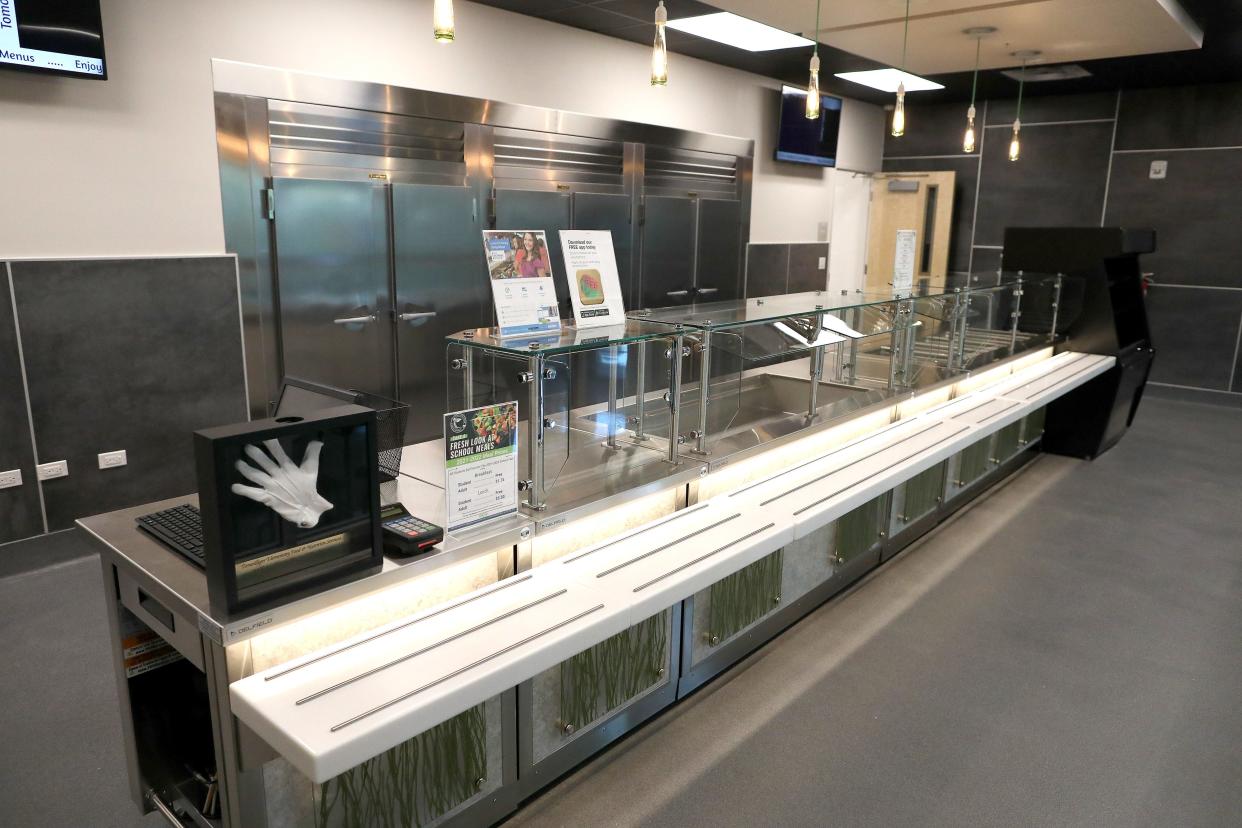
{"type": "Point", "coordinates": [973, 462]}
{"type": "Point", "coordinates": [1033, 425]}
{"type": "Point", "coordinates": [744, 597]}
{"type": "Point", "coordinates": [414, 783]}
{"type": "Point", "coordinates": [859, 530]}
{"type": "Point", "coordinates": [922, 493]}
{"type": "Point", "coordinates": [1008, 441]}
{"type": "Point", "coordinates": [605, 677]}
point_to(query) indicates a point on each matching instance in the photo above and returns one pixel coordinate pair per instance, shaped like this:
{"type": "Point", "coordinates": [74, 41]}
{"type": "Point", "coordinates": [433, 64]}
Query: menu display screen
{"type": "Point", "coordinates": [803, 141]}
{"type": "Point", "coordinates": [58, 36]}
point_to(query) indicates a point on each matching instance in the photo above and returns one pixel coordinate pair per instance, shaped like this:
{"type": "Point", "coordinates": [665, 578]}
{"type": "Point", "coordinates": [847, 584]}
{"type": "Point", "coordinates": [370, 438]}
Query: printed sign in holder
{"type": "Point", "coordinates": [480, 465]}
{"type": "Point", "coordinates": [594, 283]}
{"type": "Point", "coordinates": [519, 265]}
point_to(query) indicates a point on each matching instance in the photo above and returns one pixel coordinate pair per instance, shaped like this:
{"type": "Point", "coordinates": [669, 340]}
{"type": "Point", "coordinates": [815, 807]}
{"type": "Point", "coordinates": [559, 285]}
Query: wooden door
{"type": "Point", "coordinates": [921, 202]}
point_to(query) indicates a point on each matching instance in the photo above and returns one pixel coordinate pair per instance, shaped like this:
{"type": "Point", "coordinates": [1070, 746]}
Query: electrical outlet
{"type": "Point", "coordinates": [112, 459]}
{"type": "Point", "coordinates": [9, 479]}
{"type": "Point", "coordinates": [823, 262]}
{"type": "Point", "coordinates": [53, 470]}
{"type": "Point", "coordinates": [1159, 170]}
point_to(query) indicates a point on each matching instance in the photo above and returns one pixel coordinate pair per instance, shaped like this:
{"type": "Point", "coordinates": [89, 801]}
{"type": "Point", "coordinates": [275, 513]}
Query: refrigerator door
{"type": "Point", "coordinates": [332, 275]}
{"type": "Point", "coordinates": [668, 251]}
{"type": "Point", "coordinates": [718, 265]}
{"type": "Point", "coordinates": [441, 288]}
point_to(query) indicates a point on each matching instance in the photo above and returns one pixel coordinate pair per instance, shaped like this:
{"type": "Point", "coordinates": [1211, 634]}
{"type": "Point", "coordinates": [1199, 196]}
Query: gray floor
{"type": "Point", "coordinates": [1066, 652]}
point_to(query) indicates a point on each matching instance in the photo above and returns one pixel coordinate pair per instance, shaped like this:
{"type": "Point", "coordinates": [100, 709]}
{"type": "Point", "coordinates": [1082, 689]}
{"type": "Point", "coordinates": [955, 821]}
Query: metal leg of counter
{"type": "Point", "coordinates": [172, 686]}
{"type": "Point", "coordinates": [113, 609]}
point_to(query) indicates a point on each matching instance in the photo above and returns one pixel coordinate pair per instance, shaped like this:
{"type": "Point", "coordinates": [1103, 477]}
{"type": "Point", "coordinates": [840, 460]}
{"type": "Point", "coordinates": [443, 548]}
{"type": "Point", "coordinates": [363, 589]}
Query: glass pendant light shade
{"type": "Point", "coordinates": [812, 91]}
{"type": "Point", "coordinates": [1015, 144]}
{"type": "Point", "coordinates": [978, 33]}
{"type": "Point", "coordinates": [442, 20]}
{"type": "Point", "coordinates": [659, 50]}
{"type": "Point", "coordinates": [899, 112]}
{"type": "Point", "coordinates": [812, 84]}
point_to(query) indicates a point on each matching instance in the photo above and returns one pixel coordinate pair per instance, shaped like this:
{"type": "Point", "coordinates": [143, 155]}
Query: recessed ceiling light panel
{"type": "Point", "coordinates": [887, 80]}
{"type": "Point", "coordinates": [733, 30]}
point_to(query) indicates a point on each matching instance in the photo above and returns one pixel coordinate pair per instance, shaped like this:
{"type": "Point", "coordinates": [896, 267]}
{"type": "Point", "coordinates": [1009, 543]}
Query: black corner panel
{"type": "Point", "coordinates": [132, 354]}
{"type": "Point", "coordinates": [1102, 311]}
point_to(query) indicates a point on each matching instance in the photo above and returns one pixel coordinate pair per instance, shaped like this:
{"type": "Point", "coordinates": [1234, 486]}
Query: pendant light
{"type": "Point", "coordinates": [812, 86]}
{"type": "Point", "coordinates": [1015, 145]}
{"type": "Point", "coordinates": [659, 50]}
{"type": "Point", "coordinates": [899, 112]}
{"type": "Point", "coordinates": [442, 21]}
{"type": "Point", "coordinates": [977, 32]}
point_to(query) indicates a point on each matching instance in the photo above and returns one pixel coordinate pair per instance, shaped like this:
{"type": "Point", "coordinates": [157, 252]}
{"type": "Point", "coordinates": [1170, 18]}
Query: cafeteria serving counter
{"type": "Point", "coordinates": [446, 689]}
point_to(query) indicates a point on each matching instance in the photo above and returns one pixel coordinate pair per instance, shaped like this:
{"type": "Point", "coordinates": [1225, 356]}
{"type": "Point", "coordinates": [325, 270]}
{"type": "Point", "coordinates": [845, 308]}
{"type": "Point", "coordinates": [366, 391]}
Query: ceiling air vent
{"type": "Point", "coordinates": [1039, 74]}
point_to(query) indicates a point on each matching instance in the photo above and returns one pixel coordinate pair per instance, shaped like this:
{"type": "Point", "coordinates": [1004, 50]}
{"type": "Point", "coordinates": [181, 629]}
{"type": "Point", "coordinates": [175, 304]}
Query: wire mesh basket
{"type": "Point", "coordinates": [390, 420]}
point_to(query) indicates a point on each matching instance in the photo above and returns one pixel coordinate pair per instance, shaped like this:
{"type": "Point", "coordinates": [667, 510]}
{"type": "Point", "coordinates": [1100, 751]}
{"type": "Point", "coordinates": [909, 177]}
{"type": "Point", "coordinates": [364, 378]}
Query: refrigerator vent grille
{"type": "Point", "coordinates": [672, 170]}
{"type": "Point", "coordinates": [525, 154]}
{"type": "Point", "coordinates": [326, 136]}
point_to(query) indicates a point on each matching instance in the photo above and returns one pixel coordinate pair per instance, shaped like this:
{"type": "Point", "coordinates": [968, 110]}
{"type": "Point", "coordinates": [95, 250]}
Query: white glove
{"type": "Point", "coordinates": [285, 488]}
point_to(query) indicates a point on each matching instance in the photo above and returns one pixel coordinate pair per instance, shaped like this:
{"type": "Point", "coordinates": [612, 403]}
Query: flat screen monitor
{"type": "Point", "coordinates": [804, 141]}
{"type": "Point", "coordinates": [63, 37]}
{"type": "Point", "coordinates": [290, 506]}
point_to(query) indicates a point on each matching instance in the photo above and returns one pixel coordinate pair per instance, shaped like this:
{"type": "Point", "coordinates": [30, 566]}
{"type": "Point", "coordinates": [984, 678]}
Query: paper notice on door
{"type": "Point", "coordinates": [480, 464]}
{"type": "Point", "coordinates": [594, 284]}
{"type": "Point", "coordinates": [903, 262]}
{"type": "Point", "coordinates": [523, 289]}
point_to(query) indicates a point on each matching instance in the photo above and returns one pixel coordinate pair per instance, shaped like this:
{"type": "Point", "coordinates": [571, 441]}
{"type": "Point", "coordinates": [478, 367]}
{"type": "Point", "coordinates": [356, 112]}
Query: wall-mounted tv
{"type": "Point", "coordinates": [63, 37]}
{"type": "Point", "coordinates": [804, 141]}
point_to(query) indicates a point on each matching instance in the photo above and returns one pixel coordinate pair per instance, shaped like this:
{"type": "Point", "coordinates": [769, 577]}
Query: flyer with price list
{"type": "Point", "coordinates": [594, 284]}
{"type": "Point", "coordinates": [520, 268]}
{"type": "Point", "coordinates": [480, 464]}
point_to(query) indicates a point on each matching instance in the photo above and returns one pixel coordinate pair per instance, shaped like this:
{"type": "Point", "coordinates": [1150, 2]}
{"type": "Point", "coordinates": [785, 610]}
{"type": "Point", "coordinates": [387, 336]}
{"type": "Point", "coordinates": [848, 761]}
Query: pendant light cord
{"type": "Point", "coordinates": [974, 83]}
{"type": "Point", "coordinates": [1021, 85]}
{"type": "Point", "coordinates": [905, 36]}
{"type": "Point", "coordinates": [816, 35]}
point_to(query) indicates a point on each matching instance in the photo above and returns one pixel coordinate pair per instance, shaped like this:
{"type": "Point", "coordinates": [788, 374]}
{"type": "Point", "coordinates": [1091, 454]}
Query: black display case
{"type": "Point", "coordinates": [290, 506]}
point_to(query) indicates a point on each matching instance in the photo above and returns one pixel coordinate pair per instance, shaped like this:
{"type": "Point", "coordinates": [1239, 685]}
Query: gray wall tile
{"type": "Point", "coordinates": [987, 260]}
{"type": "Point", "coordinates": [935, 129]}
{"type": "Point", "coordinates": [127, 354]}
{"type": "Point", "coordinates": [1036, 108]}
{"type": "Point", "coordinates": [20, 516]}
{"type": "Point", "coordinates": [767, 269]}
{"type": "Point", "coordinates": [804, 270]}
{"type": "Point", "coordinates": [1209, 115]}
{"type": "Point", "coordinates": [1059, 180]}
{"type": "Point", "coordinates": [1194, 211]}
{"type": "Point", "coordinates": [967, 169]}
{"type": "Point", "coordinates": [1194, 332]}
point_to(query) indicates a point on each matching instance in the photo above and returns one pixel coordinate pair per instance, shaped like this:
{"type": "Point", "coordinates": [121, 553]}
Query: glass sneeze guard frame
{"type": "Point", "coordinates": [909, 342]}
{"type": "Point", "coordinates": [569, 384]}
{"type": "Point", "coordinates": [612, 409]}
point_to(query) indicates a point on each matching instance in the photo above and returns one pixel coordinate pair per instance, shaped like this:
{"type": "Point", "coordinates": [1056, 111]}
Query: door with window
{"type": "Point", "coordinates": [921, 202]}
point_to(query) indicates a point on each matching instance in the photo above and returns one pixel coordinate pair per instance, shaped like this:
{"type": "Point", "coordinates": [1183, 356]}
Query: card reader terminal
{"type": "Point", "coordinates": [405, 535]}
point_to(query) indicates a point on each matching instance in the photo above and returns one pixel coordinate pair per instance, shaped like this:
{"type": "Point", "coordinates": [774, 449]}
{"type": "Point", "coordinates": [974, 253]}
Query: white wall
{"type": "Point", "coordinates": [128, 166]}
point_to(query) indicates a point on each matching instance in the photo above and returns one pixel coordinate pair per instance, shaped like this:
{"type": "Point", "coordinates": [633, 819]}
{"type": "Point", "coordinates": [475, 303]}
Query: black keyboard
{"type": "Point", "coordinates": [180, 529]}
